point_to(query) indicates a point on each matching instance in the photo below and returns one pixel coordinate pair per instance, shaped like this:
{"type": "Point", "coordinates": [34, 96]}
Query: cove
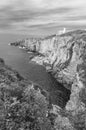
{"type": "Point", "coordinates": [18, 59]}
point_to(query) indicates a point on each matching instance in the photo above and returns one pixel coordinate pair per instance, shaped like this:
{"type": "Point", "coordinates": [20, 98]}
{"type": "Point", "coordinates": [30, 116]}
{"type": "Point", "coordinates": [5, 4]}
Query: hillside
{"type": "Point", "coordinates": [23, 104]}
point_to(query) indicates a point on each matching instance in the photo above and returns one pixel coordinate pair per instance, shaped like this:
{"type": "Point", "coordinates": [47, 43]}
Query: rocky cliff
{"type": "Point", "coordinates": [64, 56]}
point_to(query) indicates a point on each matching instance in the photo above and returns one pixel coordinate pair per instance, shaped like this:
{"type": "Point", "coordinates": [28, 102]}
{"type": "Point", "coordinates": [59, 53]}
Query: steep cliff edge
{"type": "Point", "coordinates": [64, 56]}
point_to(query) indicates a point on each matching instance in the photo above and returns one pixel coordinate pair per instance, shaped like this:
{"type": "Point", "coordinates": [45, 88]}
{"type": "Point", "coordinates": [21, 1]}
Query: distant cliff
{"type": "Point", "coordinates": [64, 56]}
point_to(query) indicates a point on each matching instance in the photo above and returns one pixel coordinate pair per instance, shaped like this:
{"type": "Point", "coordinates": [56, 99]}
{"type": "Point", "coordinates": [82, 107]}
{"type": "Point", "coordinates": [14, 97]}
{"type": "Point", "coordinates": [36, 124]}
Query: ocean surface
{"type": "Point", "coordinates": [19, 60]}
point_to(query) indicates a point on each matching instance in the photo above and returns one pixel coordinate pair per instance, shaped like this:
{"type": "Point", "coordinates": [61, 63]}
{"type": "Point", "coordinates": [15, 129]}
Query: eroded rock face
{"type": "Point", "coordinates": [64, 56]}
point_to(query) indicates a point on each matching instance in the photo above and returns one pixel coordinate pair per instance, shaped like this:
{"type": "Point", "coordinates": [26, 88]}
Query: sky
{"type": "Point", "coordinates": [37, 17]}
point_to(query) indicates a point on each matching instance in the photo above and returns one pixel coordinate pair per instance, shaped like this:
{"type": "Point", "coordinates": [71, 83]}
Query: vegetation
{"type": "Point", "coordinates": [22, 105]}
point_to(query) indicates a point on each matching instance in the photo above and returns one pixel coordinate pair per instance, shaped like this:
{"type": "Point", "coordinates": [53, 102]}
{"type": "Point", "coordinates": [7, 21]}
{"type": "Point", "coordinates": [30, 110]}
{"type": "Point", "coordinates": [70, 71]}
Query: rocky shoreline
{"type": "Point", "coordinates": [64, 57]}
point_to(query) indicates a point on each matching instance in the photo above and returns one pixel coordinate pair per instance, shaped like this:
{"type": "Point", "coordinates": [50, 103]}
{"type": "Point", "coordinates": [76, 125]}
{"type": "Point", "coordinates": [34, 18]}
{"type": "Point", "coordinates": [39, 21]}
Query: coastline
{"type": "Point", "coordinates": [63, 56]}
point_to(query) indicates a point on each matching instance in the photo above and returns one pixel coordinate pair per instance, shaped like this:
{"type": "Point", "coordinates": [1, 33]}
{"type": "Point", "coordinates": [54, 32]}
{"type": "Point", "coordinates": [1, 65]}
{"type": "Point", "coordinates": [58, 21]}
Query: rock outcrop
{"type": "Point", "coordinates": [64, 56]}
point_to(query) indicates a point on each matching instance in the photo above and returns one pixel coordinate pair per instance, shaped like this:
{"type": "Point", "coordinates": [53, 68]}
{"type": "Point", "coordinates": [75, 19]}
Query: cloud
{"type": "Point", "coordinates": [41, 15]}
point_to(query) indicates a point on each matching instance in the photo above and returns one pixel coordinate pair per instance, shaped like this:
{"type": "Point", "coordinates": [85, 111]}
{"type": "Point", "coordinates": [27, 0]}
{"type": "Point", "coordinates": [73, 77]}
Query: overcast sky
{"type": "Point", "coordinates": [41, 16]}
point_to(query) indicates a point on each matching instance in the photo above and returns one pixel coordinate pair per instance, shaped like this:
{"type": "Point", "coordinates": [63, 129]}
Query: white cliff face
{"type": "Point", "coordinates": [60, 57]}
